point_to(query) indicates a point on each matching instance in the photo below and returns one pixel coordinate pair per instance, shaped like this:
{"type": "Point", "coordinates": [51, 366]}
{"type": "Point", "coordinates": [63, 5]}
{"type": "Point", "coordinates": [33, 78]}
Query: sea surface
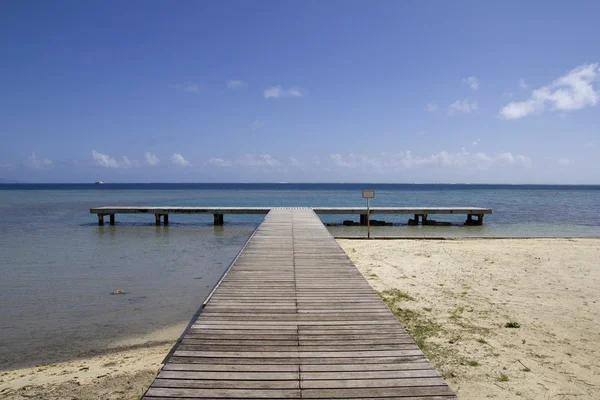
{"type": "Point", "coordinates": [58, 268]}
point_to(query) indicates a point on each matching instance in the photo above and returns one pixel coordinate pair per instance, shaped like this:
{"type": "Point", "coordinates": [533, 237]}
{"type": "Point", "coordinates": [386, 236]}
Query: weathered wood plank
{"type": "Point", "coordinates": [293, 318]}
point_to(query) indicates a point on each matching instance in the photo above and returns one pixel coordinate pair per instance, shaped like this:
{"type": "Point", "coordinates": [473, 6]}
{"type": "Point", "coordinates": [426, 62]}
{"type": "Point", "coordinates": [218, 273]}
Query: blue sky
{"type": "Point", "coordinates": [321, 91]}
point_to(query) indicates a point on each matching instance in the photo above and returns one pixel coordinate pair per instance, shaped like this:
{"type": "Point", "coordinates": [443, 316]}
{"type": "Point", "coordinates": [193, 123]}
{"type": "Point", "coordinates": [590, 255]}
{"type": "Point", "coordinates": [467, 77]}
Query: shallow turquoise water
{"type": "Point", "coordinates": [59, 267]}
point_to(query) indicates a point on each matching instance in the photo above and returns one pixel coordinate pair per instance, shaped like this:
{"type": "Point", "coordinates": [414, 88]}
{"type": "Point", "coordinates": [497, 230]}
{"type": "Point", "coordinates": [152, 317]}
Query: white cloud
{"type": "Point", "coordinates": [294, 162]}
{"type": "Point", "coordinates": [406, 160]}
{"type": "Point", "coordinates": [476, 142]}
{"type": "Point", "coordinates": [294, 92]}
{"type": "Point", "coordinates": [126, 161]}
{"type": "Point", "coordinates": [219, 162]}
{"type": "Point", "coordinates": [235, 84]}
{"type": "Point", "coordinates": [355, 160]}
{"type": "Point", "coordinates": [248, 160]}
{"type": "Point", "coordinates": [257, 125]}
{"type": "Point", "coordinates": [472, 82]}
{"type": "Point", "coordinates": [573, 91]}
{"type": "Point", "coordinates": [565, 162]}
{"type": "Point", "coordinates": [35, 163]}
{"type": "Point", "coordinates": [431, 107]}
{"type": "Point", "coordinates": [523, 84]}
{"type": "Point", "coordinates": [265, 160]}
{"type": "Point", "coordinates": [178, 159]}
{"type": "Point", "coordinates": [103, 160]}
{"type": "Point", "coordinates": [151, 158]}
{"type": "Point", "coordinates": [463, 106]}
{"type": "Point", "coordinates": [187, 87]}
{"type": "Point", "coordinates": [277, 91]}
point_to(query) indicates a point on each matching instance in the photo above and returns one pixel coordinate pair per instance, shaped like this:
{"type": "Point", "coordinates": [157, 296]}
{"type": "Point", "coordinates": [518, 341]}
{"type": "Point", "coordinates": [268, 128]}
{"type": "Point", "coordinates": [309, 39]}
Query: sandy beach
{"type": "Point", "coordinates": [500, 319]}
{"type": "Point", "coordinates": [124, 374]}
{"type": "Point", "coordinates": [122, 371]}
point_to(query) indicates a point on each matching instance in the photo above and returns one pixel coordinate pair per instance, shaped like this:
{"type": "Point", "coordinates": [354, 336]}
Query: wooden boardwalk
{"type": "Point", "coordinates": [294, 319]}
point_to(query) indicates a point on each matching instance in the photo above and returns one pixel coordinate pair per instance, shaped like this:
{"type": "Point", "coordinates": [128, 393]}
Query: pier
{"type": "Point", "coordinates": [293, 318]}
{"type": "Point", "coordinates": [421, 214]}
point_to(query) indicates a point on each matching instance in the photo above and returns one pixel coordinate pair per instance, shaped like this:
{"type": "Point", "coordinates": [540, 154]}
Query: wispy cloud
{"type": "Point", "coordinates": [523, 84]}
{"type": "Point", "coordinates": [406, 160]}
{"type": "Point", "coordinates": [35, 163]}
{"type": "Point", "coordinates": [178, 159]}
{"type": "Point", "coordinates": [235, 84]}
{"type": "Point", "coordinates": [472, 82]}
{"type": "Point", "coordinates": [257, 125]}
{"type": "Point", "coordinates": [465, 106]}
{"type": "Point", "coordinates": [275, 92]}
{"type": "Point", "coordinates": [219, 162]}
{"type": "Point", "coordinates": [186, 87]}
{"type": "Point", "coordinates": [294, 162]}
{"type": "Point", "coordinates": [151, 158]}
{"type": "Point", "coordinates": [431, 107]}
{"type": "Point", "coordinates": [104, 160]}
{"type": "Point", "coordinates": [565, 162]}
{"type": "Point", "coordinates": [476, 142]}
{"type": "Point", "coordinates": [355, 160]}
{"type": "Point", "coordinates": [248, 160]}
{"type": "Point", "coordinates": [573, 91]}
{"type": "Point", "coordinates": [261, 160]}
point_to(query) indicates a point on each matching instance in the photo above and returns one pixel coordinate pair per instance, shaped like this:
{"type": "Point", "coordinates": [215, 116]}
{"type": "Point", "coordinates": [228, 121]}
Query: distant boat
{"type": "Point", "coordinates": [99, 182]}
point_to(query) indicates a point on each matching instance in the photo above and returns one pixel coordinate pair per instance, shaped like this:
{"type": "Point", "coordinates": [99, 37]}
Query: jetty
{"type": "Point", "coordinates": [421, 214]}
{"type": "Point", "coordinates": [293, 318]}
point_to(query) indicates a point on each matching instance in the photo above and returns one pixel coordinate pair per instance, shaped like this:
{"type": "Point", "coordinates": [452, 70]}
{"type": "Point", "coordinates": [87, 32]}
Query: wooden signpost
{"type": "Point", "coordinates": [368, 194]}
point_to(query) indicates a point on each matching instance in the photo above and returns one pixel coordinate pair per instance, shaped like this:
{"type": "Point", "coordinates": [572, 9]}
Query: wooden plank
{"type": "Point", "coordinates": [266, 210]}
{"type": "Point", "coordinates": [224, 384]}
{"type": "Point", "coordinates": [293, 318]}
{"type": "Point", "coordinates": [154, 392]}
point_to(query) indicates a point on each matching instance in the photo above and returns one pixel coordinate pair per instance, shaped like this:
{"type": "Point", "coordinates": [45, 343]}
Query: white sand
{"type": "Point", "coordinates": [472, 288]}
{"type": "Point", "coordinates": [124, 372]}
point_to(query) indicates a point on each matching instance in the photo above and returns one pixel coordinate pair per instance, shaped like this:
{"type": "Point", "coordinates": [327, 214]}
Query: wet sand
{"type": "Point", "coordinates": [462, 300]}
{"type": "Point", "coordinates": [123, 371]}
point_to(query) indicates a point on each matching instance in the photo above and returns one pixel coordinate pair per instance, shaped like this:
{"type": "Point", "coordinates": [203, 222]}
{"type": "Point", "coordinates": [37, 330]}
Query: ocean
{"type": "Point", "coordinates": [58, 268]}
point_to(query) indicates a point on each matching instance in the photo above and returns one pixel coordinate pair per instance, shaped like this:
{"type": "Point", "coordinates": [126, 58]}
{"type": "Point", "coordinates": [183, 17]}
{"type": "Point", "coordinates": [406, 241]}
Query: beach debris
{"type": "Point", "coordinates": [118, 291]}
{"type": "Point", "coordinates": [512, 325]}
{"type": "Point", "coordinates": [525, 367]}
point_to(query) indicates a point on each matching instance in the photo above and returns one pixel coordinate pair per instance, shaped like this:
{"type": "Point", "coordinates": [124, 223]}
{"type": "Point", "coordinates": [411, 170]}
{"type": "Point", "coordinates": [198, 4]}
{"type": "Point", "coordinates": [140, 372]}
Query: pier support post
{"type": "Point", "coordinates": [166, 219]}
{"type": "Point", "coordinates": [364, 219]}
{"type": "Point", "coordinates": [100, 219]}
{"type": "Point", "coordinates": [112, 219]}
{"type": "Point", "coordinates": [157, 216]}
{"type": "Point", "coordinates": [218, 218]}
{"type": "Point", "coordinates": [471, 221]}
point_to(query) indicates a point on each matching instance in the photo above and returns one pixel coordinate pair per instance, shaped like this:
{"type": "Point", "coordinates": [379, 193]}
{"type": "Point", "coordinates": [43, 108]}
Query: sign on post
{"type": "Point", "coordinates": [368, 194]}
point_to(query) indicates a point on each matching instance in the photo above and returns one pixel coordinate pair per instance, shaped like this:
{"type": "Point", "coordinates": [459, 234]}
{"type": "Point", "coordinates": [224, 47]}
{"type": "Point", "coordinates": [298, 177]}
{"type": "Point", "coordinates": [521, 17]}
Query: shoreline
{"type": "Point", "coordinates": [117, 373]}
{"type": "Point", "coordinates": [122, 370]}
{"type": "Point", "coordinates": [454, 296]}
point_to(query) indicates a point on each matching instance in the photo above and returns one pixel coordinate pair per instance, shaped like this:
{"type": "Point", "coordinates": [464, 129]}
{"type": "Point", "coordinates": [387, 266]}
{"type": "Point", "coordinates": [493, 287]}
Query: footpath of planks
{"type": "Point", "coordinates": [294, 318]}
